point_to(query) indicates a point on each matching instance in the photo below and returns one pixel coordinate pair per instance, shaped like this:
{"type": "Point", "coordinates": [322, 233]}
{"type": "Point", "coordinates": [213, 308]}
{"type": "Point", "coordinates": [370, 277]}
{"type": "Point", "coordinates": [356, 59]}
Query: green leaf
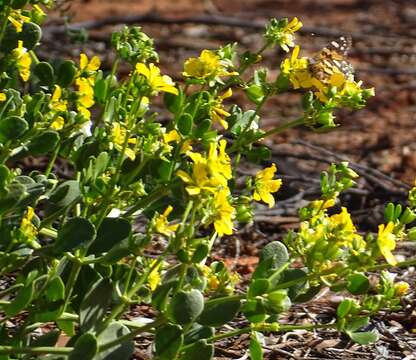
{"type": "Point", "coordinates": [44, 71]}
{"type": "Point", "coordinates": [4, 175]}
{"type": "Point", "coordinates": [344, 308]}
{"type": "Point", "coordinates": [255, 93]}
{"type": "Point", "coordinates": [31, 35]}
{"type": "Point", "coordinates": [65, 193]}
{"type": "Point", "coordinates": [309, 294]}
{"type": "Point", "coordinates": [198, 332]}
{"type": "Point", "coordinates": [278, 301]}
{"type": "Point", "coordinates": [219, 313]}
{"type": "Point", "coordinates": [185, 123]}
{"type": "Point", "coordinates": [240, 120]}
{"type": "Point", "coordinates": [273, 257]}
{"type": "Point", "coordinates": [75, 232]}
{"type": "Point", "coordinates": [66, 73]}
{"type": "Point", "coordinates": [67, 326]}
{"type": "Point", "coordinates": [18, 4]}
{"type": "Point", "coordinates": [358, 284]}
{"type": "Point", "coordinates": [201, 128]}
{"type": "Point", "coordinates": [256, 351]}
{"type": "Point", "coordinates": [10, 39]}
{"type": "Point", "coordinates": [389, 212]}
{"type": "Point", "coordinates": [186, 306]}
{"type": "Point", "coordinates": [15, 193]}
{"type": "Point", "coordinates": [94, 305]}
{"type": "Point", "coordinates": [111, 232]}
{"type": "Point", "coordinates": [12, 127]}
{"type": "Point", "coordinates": [121, 351]}
{"type": "Point", "coordinates": [201, 252]}
{"type": "Point", "coordinates": [21, 301]}
{"type": "Point", "coordinates": [254, 310]}
{"type": "Point", "coordinates": [55, 290]}
{"type": "Point", "coordinates": [48, 339]}
{"type": "Point", "coordinates": [258, 287]}
{"type": "Point", "coordinates": [168, 340]}
{"type": "Point", "coordinates": [100, 90]}
{"type": "Point", "coordinates": [364, 338]}
{"type": "Point", "coordinates": [49, 311]}
{"type": "Point", "coordinates": [43, 143]}
{"type": "Point", "coordinates": [173, 102]}
{"type": "Point", "coordinates": [357, 323]}
{"type": "Point", "coordinates": [200, 350]}
{"type": "Point", "coordinates": [259, 154]}
{"type": "Point", "coordinates": [160, 295]}
{"type": "Point", "coordinates": [117, 252]}
{"type": "Point", "coordinates": [291, 275]}
{"type": "Point", "coordinates": [85, 348]}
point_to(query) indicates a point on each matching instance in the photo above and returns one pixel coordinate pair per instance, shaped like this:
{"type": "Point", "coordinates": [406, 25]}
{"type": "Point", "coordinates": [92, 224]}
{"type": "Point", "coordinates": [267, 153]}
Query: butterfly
{"type": "Point", "coordinates": [331, 59]}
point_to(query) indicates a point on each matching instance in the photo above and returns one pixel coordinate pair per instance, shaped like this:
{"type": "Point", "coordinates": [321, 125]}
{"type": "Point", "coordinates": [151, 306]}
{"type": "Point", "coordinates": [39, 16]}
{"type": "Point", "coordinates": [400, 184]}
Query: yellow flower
{"type": "Point", "coordinates": [219, 163]}
{"type": "Point", "coordinates": [346, 233]}
{"type": "Point", "coordinates": [27, 229]}
{"type": "Point", "coordinates": [386, 242]}
{"type": "Point", "coordinates": [224, 213]}
{"type": "Point", "coordinates": [153, 278]}
{"type": "Point", "coordinates": [401, 288]}
{"type": "Point", "coordinates": [58, 123]}
{"type": "Point", "coordinates": [57, 104]}
{"type": "Point", "coordinates": [156, 81]}
{"type": "Point", "coordinates": [207, 65]}
{"type": "Point", "coordinates": [172, 135]}
{"type": "Point", "coordinates": [38, 10]}
{"type": "Point", "coordinates": [297, 70]}
{"type": "Point", "coordinates": [85, 96]}
{"type": "Point", "coordinates": [293, 26]}
{"type": "Point", "coordinates": [3, 97]}
{"type": "Point", "coordinates": [287, 38]}
{"type": "Point", "coordinates": [89, 65]}
{"type": "Point", "coordinates": [17, 20]}
{"type": "Point", "coordinates": [337, 80]}
{"type": "Point", "coordinates": [162, 224]}
{"type": "Point", "coordinates": [199, 180]}
{"type": "Point", "coordinates": [23, 61]}
{"type": "Point", "coordinates": [208, 173]}
{"type": "Point", "coordinates": [322, 204]}
{"type": "Point", "coordinates": [119, 137]}
{"type": "Point", "coordinates": [217, 109]}
{"type": "Point", "coordinates": [213, 282]}
{"type": "Point", "coordinates": [265, 185]}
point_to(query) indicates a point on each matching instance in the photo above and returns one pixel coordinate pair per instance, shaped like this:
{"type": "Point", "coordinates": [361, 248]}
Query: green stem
{"type": "Point", "coordinates": [280, 128]}
{"type": "Point", "coordinates": [223, 299]}
{"type": "Point", "coordinates": [401, 264]}
{"type": "Point", "coordinates": [52, 160]}
{"type": "Point", "coordinates": [4, 350]}
{"type": "Point", "coordinates": [286, 328]}
{"type": "Point", "coordinates": [49, 232]}
{"type": "Point", "coordinates": [75, 270]}
{"type": "Point", "coordinates": [152, 197]}
{"type": "Point", "coordinates": [10, 289]}
{"type": "Point", "coordinates": [5, 22]}
{"type": "Point", "coordinates": [34, 57]}
{"type": "Point", "coordinates": [125, 299]}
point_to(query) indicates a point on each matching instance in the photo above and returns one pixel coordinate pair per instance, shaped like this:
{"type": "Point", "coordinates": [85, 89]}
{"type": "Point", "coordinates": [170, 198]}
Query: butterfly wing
{"type": "Point", "coordinates": [331, 59]}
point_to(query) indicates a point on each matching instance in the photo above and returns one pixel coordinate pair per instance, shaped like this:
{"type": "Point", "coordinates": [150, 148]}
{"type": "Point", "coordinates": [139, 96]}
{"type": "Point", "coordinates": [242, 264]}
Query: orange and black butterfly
{"type": "Point", "coordinates": [331, 59]}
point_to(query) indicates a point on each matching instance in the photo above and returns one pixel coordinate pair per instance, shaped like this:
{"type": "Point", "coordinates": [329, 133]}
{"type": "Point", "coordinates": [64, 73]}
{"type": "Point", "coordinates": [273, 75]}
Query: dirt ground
{"type": "Point", "coordinates": [381, 137]}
